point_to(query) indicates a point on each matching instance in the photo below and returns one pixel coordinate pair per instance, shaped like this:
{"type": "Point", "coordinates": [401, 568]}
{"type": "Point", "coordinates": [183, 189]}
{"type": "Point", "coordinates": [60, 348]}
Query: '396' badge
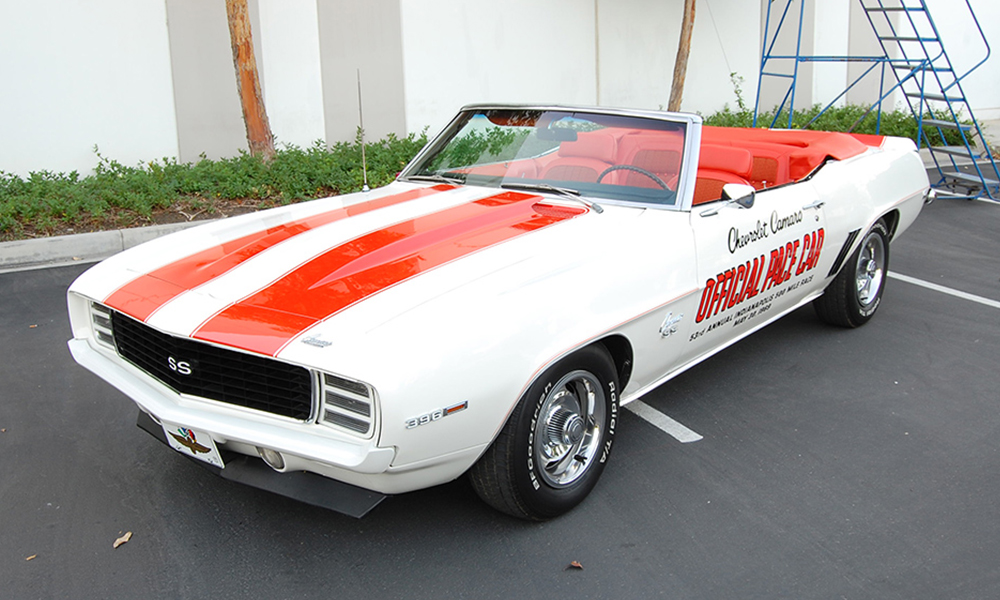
{"type": "Point", "coordinates": [436, 415]}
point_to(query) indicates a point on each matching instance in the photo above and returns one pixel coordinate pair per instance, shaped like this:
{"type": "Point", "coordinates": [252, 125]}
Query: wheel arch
{"type": "Point", "coordinates": [891, 219]}
{"type": "Point", "coordinates": [621, 353]}
{"type": "Point", "coordinates": [617, 346]}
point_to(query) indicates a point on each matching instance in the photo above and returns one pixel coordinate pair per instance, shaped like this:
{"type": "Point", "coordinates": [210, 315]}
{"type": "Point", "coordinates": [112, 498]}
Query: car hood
{"type": "Point", "coordinates": [260, 281]}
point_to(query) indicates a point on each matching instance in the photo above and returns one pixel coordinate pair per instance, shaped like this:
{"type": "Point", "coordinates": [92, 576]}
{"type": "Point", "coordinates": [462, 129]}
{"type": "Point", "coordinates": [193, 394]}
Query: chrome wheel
{"type": "Point", "coordinates": [567, 433]}
{"type": "Point", "coordinates": [852, 298]}
{"type": "Point", "coordinates": [557, 440]}
{"type": "Point", "coordinates": [870, 269]}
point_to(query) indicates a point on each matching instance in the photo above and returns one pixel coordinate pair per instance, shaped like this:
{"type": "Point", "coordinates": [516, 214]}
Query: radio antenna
{"type": "Point", "coordinates": [361, 122]}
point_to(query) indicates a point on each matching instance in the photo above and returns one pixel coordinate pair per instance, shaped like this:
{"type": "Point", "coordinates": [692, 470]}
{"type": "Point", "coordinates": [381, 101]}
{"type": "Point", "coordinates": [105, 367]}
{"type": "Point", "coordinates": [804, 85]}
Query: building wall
{"type": "Point", "coordinates": [829, 77]}
{"type": "Point", "coordinates": [639, 40]}
{"type": "Point", "coordinates": [862, 42]}
{"type": "Point", "coordinates": [208, 114]}
{"type": "Point", "coordinates": [145, 79]}
{"type": "Point", "coordinates": [785, 41]}
{"type": "Point", "coordinates": [637, 44]}
{"type": "Point", "coordinates": [79, 74]}
{"type": "Point", "coordinates": [366, 37]}
{"type": "Point", "coordinates": [725, 41]}
{"type": "Point", "coordinates": [823, 29]}
{"type": "Point", "coordinates": [609, 52]}
{"type": "Point", "coordinates": [458, 52]}
{"type": "Point", "coordinates": [966, 48]}
{"type": "Point", "coordinates": [290, 70]}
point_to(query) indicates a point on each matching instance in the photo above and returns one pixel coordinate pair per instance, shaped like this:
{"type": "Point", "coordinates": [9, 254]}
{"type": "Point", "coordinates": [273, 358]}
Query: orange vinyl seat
{"type": "Point", "coordinates": [717, 166]}
{"type": "Point", "coordinates": [657, 152]}
{"type": "Point", "coordinates": [582, 159]}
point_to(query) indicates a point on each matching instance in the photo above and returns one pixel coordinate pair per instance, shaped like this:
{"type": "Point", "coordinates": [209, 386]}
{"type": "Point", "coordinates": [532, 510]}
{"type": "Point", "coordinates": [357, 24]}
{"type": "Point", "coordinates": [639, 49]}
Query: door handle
{"type": "Point", "coordinates": [814, 204]}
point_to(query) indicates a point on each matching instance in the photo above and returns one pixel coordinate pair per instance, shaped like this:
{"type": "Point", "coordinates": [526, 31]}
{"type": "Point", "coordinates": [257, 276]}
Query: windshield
{"type": "Point", "coordinates": [598, 155]}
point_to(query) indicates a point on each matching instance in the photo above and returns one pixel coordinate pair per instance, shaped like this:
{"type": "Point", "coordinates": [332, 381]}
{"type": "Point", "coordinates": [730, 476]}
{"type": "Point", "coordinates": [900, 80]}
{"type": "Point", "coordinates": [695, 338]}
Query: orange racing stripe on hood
{"type": "Point", "coordinates": [142, 296]}
{"type": "Point", "coordinates": [266, 321]}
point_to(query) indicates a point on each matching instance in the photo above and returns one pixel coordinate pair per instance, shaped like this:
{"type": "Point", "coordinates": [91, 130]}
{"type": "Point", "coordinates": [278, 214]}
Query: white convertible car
{"type": "Point", "coordinates": [531, 271]}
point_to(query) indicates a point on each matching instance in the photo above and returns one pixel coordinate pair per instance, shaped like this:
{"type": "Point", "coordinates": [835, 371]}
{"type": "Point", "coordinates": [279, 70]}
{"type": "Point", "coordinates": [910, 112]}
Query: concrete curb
{"type": "Point", "coordinates": [83, 247]}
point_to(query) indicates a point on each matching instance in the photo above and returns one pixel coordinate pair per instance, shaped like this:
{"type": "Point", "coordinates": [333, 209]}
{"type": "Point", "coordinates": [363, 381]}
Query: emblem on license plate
{"type": "Point", "coordinates": [188, 439]}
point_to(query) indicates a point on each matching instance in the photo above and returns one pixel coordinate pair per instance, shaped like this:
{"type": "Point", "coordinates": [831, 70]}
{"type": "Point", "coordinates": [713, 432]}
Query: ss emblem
{"type": "Point", "coordinates": [179, 366]}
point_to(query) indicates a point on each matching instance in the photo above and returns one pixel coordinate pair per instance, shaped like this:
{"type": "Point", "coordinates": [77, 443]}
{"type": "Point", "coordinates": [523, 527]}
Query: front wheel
{"type": "Point", "coordinates": [553, 448]}
{"type": "Point", "coordinates": [854, 295]}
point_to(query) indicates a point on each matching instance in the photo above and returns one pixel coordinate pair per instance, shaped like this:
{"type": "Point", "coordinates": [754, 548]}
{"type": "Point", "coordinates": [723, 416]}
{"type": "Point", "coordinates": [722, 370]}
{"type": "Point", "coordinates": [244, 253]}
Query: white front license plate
{"type": "Point", "coordinates": [193, 443]}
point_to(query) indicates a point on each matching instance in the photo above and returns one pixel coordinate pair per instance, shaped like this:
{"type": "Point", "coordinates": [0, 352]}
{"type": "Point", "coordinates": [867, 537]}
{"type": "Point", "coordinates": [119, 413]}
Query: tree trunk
{"type": "Point", "coordinates": [681, 64]}
{"type": "Point", "coordinates": [248, 83]}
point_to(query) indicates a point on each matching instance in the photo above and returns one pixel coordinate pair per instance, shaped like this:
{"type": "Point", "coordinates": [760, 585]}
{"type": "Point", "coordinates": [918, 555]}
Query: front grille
{"type": "Point", "coordinates": [198, 369]}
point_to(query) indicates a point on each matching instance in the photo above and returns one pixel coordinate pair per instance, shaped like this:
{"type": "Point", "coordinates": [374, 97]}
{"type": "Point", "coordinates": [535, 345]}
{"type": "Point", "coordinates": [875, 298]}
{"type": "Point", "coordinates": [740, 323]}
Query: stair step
{"type": "Point", "coordinates": [908, 65]}
{"type": "Point", "coordinates": [947, 124]}
{"type": "Point", "coordinates": [907, 38]}
{"type": "Point", "coordinates": [943, 193]}
{"type": "Point", "coordinates": [970, 178]}
{"type": "Point", "coordinates": [894, 9]}
{"type": "Point", "coordinates": [938, 97]}
{"type": "Point", "coordinates": [955, 151]}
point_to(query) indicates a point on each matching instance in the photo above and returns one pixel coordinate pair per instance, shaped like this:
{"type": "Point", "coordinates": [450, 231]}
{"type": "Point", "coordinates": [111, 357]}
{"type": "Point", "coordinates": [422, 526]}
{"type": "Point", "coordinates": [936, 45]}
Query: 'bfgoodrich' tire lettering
{"type": "Point", "coordinates": [553, 448]}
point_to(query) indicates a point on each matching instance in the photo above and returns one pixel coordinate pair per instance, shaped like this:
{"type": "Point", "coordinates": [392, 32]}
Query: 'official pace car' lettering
{"type": "Point", "coordinates": [743, 282]}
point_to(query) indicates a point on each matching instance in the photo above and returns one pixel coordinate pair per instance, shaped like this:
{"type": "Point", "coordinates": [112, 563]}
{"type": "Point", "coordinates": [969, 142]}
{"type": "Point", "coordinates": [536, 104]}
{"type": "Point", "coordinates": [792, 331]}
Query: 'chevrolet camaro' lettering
{"type": "Point", "coordinates": [738, 239]}
{"type": "Point", "coordinates": [779, 223]}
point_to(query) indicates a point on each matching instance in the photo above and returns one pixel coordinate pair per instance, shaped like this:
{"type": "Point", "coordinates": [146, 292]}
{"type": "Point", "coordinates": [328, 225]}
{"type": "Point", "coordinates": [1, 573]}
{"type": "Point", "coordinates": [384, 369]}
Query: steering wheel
{"type": "Point", "coordinates": [638, 170]}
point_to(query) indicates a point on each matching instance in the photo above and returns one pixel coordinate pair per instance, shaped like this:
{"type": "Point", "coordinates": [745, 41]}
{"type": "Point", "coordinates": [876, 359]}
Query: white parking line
{"type": "Point", "coordinates": [662, 421]}
{"type": "Point", "coordinates": [946, 290]}
{"type": "Point", "coordinates": [685, 435]}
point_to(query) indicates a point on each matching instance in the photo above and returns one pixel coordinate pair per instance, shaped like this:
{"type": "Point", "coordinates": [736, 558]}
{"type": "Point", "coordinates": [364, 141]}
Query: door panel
{"type": "Point", "coordinates": [754, 262]}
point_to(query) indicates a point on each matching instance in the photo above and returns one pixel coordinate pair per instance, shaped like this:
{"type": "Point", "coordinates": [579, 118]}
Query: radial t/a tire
{"type": "Point", "coordinates": [556, 442]}
{"type": "Point", "coordinates": [854, 295]}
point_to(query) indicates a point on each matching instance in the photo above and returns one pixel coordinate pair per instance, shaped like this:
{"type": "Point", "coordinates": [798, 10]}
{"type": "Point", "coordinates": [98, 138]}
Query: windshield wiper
{"type": "Point", "coordinates": [544, 187]}
{"type": "Point", "coordinates": [437, 178]}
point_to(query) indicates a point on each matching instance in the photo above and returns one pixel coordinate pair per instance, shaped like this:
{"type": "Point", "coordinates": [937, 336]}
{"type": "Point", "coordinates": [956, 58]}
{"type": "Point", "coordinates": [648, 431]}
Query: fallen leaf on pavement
{"type": "Point", "coordinates": [123, 539]}
{"type": "Point", "coordinates": [31, 557]}
{"type": "Point", "coordinates": [575, 565]}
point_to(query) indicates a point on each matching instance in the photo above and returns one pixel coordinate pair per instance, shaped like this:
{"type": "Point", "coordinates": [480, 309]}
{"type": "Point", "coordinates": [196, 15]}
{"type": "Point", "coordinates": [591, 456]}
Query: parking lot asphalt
{"type": "Point", "coordinates": [834, 464]}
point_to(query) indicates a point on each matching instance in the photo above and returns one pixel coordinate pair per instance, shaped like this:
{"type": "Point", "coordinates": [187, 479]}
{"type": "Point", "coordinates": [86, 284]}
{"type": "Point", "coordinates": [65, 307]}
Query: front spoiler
{"type": "Point", "coordinates": [302, 486]}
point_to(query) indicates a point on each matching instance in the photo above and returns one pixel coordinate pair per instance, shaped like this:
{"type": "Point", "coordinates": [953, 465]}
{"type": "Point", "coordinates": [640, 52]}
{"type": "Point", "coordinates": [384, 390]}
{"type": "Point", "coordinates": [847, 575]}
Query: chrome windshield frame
{"type": "Point", "coordinates": [689, 162]}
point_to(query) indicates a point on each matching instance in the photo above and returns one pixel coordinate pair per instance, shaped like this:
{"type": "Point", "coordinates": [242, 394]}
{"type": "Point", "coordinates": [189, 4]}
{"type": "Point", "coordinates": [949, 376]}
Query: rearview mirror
{"type": "Point", "coordinates": [556, 134]}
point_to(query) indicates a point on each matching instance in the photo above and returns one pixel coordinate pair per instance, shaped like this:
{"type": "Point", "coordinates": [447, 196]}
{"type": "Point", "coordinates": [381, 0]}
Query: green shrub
{"type": "Point", "coordinates": [116, 195]}
{"type": "Point", "coordinates": [850, 118]}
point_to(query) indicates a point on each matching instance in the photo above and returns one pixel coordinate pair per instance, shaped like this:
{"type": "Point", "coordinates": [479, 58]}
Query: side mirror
{"type": "Point", "coordinates": [739, 193]}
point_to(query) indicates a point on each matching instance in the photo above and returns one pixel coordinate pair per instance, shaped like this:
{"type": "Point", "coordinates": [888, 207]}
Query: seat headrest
{"type": "Point", "coordinates": [726, 158]}
{"type": "Point", "coordinates": [593, 144]}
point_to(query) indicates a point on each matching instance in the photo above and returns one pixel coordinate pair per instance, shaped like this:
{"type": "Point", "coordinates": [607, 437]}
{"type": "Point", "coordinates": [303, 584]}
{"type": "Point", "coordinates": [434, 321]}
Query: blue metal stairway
{"type": "Point", "coordinates": [912, 50]}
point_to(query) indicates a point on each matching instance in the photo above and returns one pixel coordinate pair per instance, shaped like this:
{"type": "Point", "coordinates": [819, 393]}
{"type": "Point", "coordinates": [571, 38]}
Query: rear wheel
{"type": "Point", "coordinates": [854, 295]}
{"type": "Point", "coordinates": [554, 446]}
